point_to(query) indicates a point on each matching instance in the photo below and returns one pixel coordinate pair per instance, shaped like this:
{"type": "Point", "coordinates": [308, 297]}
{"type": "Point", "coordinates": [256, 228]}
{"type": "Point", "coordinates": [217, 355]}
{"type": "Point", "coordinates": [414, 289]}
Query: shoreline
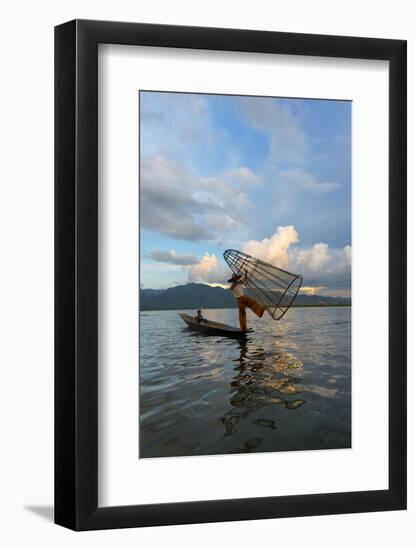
{"type": "Point", "coordinates": [209, 308]}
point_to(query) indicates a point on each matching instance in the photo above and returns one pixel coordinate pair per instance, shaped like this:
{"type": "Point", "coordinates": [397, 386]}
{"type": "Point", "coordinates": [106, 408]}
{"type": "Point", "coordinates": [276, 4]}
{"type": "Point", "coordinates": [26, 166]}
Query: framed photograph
{"type": "Point", "coordinates": [230, 252]}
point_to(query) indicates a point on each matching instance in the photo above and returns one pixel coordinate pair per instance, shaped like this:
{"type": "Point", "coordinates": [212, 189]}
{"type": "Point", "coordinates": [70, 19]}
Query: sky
{"type": "Point", "coordinates": [268, 176]}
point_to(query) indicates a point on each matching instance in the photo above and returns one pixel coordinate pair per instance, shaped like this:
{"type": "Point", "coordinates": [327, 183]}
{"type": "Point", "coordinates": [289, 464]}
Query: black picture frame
{"type": "Point", "coordinates": [76, 272]}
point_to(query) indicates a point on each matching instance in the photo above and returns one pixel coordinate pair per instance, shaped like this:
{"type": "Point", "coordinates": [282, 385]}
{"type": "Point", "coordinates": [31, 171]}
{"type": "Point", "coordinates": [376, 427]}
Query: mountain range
{"type": "Point", "coordinates": [199, 296]}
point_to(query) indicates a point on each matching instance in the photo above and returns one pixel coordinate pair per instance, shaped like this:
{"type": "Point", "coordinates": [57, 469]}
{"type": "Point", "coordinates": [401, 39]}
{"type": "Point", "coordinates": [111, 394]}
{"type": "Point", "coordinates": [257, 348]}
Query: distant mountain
{"type": "Point", "coordinates": [198, 296]}
{"type": "Point", "coordinates": [151, 292]}
{"type": "Point", "coordinates": [315, 300]}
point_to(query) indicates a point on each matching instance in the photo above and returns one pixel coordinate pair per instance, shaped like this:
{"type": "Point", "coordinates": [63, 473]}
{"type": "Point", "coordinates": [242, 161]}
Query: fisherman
{"type": "Point", "coordinates": [243, 301]}
{"type": "Point", "coordinates": [199, 317]}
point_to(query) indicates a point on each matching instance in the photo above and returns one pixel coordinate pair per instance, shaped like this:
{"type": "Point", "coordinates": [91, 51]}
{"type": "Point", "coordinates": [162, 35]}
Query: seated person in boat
{"type": "Point", "coordinates": [199, 317]}
{"type": "Point", "coordinates": [243, 301]}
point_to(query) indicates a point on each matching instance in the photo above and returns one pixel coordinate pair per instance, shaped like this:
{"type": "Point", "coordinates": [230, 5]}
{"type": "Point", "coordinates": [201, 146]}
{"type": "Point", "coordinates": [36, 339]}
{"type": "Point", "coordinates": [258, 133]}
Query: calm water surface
{"type": "Point", "coordinates": [285, 387]}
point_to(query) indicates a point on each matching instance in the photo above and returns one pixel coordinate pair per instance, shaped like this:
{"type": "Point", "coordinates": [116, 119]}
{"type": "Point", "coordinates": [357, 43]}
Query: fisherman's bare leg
{"type": "Point", "coordinates": [242, 316]}
{"type": "Point", "coordinates": [257, 308]}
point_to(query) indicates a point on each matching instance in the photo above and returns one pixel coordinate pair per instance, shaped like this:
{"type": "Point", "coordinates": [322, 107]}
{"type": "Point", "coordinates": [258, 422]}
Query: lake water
{"type": "Point", "coordinates": [286, 387]}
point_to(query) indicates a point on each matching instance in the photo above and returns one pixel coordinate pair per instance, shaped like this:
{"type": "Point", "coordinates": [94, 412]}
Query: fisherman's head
{"type": "Point", "coordinates": [235, 277]}
{"type": "Point", "coordinates": [199, 312]}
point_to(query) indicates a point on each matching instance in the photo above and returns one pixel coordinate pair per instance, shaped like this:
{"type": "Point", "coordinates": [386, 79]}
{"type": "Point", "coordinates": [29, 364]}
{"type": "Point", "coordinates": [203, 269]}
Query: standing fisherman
{"type": "Point", "coordinates": [243, 301]}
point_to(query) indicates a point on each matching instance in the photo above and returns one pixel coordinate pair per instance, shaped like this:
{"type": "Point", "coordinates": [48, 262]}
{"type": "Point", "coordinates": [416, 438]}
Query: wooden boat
{"type": "Point", "coordinates": [212, 328]}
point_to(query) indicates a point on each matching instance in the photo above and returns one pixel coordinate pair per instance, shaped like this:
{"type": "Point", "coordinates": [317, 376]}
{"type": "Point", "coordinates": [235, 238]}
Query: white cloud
{"type": "Point", "coordinates": [172, 121]}
{"type": "Point", "coordinates": [298, 178]}
{"type": "Point", "coordinates": [273, 250]}
{"type": "Point", "coordinates": [243, 176]}
{"type": "Point", "coordinates": [181, 204]}
{"type": "Point", "coordinates": [322, 268]}
{"type": "Point", "coordinates": [208, 270]}
{"type": "Point", "coordinates": [275, 119]}
{"type": "Point", "coordinates": [171, 257]}
{"type": "Point", "coordinates": [321, 259]}
{"type": "Point", "coordinates": [180, 126]}
{"type": "Point", "coordinates": [322, 265]}
{"type": "Point", "coordinates": [319, 265]}
{"type": "Point", "coordinates": [165, 204]}
{"type": "Point", "coordinates": [315, 259]}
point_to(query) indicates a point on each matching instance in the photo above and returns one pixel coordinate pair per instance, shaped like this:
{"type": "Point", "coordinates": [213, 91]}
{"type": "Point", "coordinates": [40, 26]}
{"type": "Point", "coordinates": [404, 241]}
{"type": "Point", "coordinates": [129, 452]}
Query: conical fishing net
{"type": "Point", "coordinates": [271, 286]}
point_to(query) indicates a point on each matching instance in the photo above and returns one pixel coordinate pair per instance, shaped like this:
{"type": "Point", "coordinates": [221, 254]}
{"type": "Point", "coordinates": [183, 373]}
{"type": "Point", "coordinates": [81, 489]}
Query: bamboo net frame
{"type": "Point", "coordinates": [274, 288]}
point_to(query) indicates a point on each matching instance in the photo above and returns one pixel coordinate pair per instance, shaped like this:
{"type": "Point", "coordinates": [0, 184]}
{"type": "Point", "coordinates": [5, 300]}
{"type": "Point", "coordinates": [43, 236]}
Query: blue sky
{"type": "Point", "coordinates": [269, 176]}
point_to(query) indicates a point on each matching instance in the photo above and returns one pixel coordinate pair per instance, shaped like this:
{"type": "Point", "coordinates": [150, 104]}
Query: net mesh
{"type": "Point", "coordinates": [274, 288]}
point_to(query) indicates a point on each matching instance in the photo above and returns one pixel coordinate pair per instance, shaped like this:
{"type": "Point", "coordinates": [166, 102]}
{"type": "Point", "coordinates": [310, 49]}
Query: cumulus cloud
{"type": "Point", "coordinates": [320, 265]}
{"type": "Point", "coordinates": [181, 204]}
{"type": "Point", "coordinates": [208, 270]}
{"type": "Point", "coordinates": [171, 257]}
{"type": "Point", "coordinates": [275, 119]}
{"type": "Point", "coordinates": [298, 178]}
{"type": "Point", "coordinates": [315, 259]}
{"type": "Point", "coordinates": [273, 250]}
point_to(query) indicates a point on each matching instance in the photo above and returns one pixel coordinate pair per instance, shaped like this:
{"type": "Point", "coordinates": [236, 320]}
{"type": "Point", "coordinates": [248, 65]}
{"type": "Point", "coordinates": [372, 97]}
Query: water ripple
{"type": "Point", "coordinates": [286, 387]}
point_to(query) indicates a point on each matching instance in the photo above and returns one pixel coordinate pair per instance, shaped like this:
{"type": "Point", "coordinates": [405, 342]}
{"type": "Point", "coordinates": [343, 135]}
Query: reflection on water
{"type": "Point", "coordinates": [285, 387]}
{"type": "Point", "coordinates": [255, 386]}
